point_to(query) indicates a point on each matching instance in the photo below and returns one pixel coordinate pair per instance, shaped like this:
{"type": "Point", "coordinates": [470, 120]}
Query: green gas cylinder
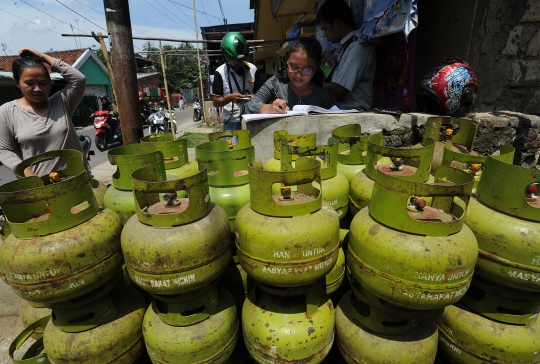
{"type": "Point", "coordinates": [175, 154]}
{"type": "Point", "coordinates": [62, 245]}
{"type": "Point", "coordinates": [362, 183]}
{"type": "Point", "coordinates": [32, 312]}
{"type": "Point", "coordinates": [352, 149]}
{"type": "Point", "coordinates": [108, 330]}
{"type": "Point", "coordinates": [365, 335]}
{"type": "Point", "coordinates": [411, 254]}
{"type": "Point", "coordinates": [237, 139]}
{"type": "Point", "coordinates": [335, 186]}
{"type": "Point", "coordinates": [201, 327]}
{"type": "Point", "coordinates": [468, 338]}
{"type": "Point", "coordinates": [502, 304]}
{"type": "Point", "coordinates": [304, 140]}
{"type": "Point", "coordinates": [128, 158]}
{"type": "Point", "coordinates": [228, 178]}
{"type": "Point", "coordinates": [99, 188]}
{"type": "Point", "coordinates": [473, 163]}
{"type": "Point", "coordinates": [443, 129]}
{"type": "Point", "coordinates": [291, 239]}
{"type": "Point", "coordinates": [179, 245]}
{"type": "Point", "coordinates": [505, 220]}
{"type": "Point", "coordinates": [288, 329]}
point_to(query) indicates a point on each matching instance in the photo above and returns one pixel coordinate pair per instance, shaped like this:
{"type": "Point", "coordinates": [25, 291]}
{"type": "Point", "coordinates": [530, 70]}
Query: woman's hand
{"type": "Point", "coordinates": [37, 55]}
{"type": "Point", "coordinates": [28, 172]}
{"type": "Point", "coordinates": [279, 106]}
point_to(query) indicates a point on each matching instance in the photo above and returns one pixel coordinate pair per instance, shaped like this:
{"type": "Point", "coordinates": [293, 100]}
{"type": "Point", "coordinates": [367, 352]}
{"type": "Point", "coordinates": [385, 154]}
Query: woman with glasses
{"type": "Point", "coordinates": [300, 84]}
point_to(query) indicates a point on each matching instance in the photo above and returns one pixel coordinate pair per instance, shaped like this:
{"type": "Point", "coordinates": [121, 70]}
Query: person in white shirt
{"type": "Point", "coordinates": [233, 81]}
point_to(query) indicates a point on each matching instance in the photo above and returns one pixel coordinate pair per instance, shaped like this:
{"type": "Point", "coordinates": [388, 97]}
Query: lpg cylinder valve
{"type": "Point", "coordinates": [531, 192]}
{"type": "Point", "coordinates": [416, 203]}
{"type": "Point", "coordinates": [397, 164]}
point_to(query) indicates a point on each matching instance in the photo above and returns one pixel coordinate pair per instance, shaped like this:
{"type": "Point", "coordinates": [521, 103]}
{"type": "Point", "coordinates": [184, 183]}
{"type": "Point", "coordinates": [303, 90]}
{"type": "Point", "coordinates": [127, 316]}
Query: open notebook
{"type": "Point", "coordinates": [298, 110]}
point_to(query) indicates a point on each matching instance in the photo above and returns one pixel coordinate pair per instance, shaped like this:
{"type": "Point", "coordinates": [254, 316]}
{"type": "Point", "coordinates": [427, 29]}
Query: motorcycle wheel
{"type": "Point", "coordinates": [101, 142]}
{"type": "Point", "coordinates": [196, 117]}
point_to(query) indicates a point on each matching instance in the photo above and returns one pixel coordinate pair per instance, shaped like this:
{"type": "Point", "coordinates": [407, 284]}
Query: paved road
{"type": "Point", "coordinates": [183, 119]}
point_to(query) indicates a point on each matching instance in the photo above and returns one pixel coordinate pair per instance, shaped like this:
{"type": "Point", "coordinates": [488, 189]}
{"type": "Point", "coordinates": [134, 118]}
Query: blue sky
{"type": "Point", "coordinates": [38, 23]}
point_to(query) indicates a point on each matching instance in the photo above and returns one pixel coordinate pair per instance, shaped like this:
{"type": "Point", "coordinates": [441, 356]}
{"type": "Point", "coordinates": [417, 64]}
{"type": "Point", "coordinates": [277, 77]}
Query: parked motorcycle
{"type": "Point", "coordinates": [108, 129]}
{"type": "Point", "coordinates": [196, 110]}
{"type": "Point", "coordinates": [159, 121]}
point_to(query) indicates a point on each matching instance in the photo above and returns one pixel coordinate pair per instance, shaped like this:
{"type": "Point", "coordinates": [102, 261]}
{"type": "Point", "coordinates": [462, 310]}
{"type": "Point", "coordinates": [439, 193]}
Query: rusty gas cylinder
{"type": "Point", "coordinates": [190, 237]}
{"type": "Point", "coordinates": [385, 339]}
{"type": "Point", "coordinates": [200, 327]}
{"type": "Point", "coordinates": [466, 337]}
{"type": "Point", "coordinates": [506, 221]}
{"type": "Point", "coordinates": [304, 140]}
{"type": "Point", "coordinates": [107, 330]}
{"type": "Point", "coordinates": [410, 253]}
{"type": "Point", "coordinates": [175, 154]}
{"type": "Point", "coordinates": [335, 186]}
{"type": "Point", "coordinates": [473, 163]}
{"type": "Point", "coordinates": [362, 183]}
{"type": "Point", "coordinates": [288, 329]}
{"type": "Point", "coordinates": [57, 220]}
{"type": "Point", "coordinates": [228, 178]}
{"type": "Point", "coordinates": [461, 133]}
{"type": "Point", "coordinates": [128, 158]}
{"type": "Point", "coordinates": [291, 239]}
{"type": "Point", "coordinates": [237, 139]}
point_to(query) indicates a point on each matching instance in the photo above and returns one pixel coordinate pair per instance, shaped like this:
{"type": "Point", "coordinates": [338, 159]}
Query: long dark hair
{"type": "Point", "coordinates": [23, 63]}
{"type": "Point", "coordinates": [313, 49]}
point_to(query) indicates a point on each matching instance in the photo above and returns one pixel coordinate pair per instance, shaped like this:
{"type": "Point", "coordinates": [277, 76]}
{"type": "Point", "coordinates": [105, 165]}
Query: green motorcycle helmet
{"type": "Point", "coordinates": [234, 47]}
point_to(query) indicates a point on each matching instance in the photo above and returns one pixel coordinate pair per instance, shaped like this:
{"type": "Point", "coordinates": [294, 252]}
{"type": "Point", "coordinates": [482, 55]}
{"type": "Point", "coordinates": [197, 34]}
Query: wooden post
{"type": "Point", "coordinates": [125, 70]}
{"type": "Point", "coordinates": [203, 115]}
{"type": "Point", "coordinates": [99, 38]}
{"type": "Point", "coordinates": [163, 68]}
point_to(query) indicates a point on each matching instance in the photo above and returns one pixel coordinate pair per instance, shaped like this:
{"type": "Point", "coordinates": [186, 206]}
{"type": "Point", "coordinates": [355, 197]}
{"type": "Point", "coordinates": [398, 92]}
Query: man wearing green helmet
{"type": "Point", "coordinates": [233, 80]}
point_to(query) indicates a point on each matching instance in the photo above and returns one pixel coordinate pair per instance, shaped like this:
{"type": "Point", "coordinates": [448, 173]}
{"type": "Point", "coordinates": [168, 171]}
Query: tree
{"type": "Point", "coordinates": [182, 71]}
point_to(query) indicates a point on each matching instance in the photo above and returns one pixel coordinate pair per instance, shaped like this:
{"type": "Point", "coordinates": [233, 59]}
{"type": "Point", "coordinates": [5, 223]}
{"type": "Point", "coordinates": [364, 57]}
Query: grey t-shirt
{"type": "Point", "coordinates": [275, 89]}
{"type": "Point", "coordinates": [355, 72]}
{"type": "Point", "coordinates": [24, 134]}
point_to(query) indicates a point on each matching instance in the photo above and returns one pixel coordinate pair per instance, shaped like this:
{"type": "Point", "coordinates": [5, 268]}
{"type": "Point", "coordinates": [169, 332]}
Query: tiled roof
{"type": "Point", "coordinates": [69, 56]}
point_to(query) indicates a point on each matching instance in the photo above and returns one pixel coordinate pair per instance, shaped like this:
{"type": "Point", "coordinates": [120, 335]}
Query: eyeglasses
{"type": "Point", "coordinates": [303, 71]}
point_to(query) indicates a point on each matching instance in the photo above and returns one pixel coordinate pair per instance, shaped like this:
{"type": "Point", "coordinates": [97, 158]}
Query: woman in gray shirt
{"type": "Point", "coordinates": [301, 84]}
{"type": "Point", "coordinates": [38, 122]}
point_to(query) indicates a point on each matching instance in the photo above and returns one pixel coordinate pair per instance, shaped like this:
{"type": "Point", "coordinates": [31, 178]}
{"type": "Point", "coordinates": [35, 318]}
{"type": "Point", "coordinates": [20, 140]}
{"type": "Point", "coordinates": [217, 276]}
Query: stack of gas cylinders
{"type": "Point", "coordinates": [344, 252]}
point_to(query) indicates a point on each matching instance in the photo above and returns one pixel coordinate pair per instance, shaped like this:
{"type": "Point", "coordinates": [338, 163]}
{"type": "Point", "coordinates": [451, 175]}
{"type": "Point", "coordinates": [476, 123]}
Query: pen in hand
{"type": "Point", "coordinates": [281, 105]}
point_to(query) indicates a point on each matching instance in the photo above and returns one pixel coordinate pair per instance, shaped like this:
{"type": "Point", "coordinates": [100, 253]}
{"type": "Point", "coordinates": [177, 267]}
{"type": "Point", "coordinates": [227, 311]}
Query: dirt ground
{"type": "Point", "coordinates": [10, 327]}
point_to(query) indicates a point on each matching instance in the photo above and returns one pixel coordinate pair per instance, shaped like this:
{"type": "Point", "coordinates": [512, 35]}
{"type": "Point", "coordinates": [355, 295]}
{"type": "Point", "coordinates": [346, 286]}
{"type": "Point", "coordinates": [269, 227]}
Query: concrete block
{"type": "Point", "coordinates": [533, 48]}
{"type": "Point", "coordinates": [525, 71]}
{"type": "Point", "coordinates": [262, 131]}
{"type": "Point", "coordinates": [533, 13]}
{"type": "Point", "coordinates": [512, 43]}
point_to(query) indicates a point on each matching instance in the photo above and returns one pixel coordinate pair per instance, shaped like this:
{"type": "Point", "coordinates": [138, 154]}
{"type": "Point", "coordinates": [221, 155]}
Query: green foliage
{"type": "Point", "coordinates": [182, 71]}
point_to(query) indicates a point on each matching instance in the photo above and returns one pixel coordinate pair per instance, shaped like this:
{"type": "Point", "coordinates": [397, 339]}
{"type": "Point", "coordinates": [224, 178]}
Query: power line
{"type": "Point", "coordinates": [208, 20]}
{"type": "Point", "coordinates": [198, 11]}
{"type": "Point", "coordinates": [58, 1]}
{"type": "Point", "coordinates": [164, 15]}
{"type": "Point", "coordinates": [180, 10]}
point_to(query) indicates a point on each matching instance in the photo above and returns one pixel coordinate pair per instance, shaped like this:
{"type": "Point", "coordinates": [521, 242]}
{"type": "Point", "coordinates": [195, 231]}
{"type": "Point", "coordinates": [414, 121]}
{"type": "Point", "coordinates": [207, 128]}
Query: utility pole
{"type": "Point", "coordinates": [99, 39]}
{"type": "Point", "coordinates": [163, 68]}
{"type": "Point", "coordinates": [203, 114]}
{"type": "Point", "coordinates": [125, 71]}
